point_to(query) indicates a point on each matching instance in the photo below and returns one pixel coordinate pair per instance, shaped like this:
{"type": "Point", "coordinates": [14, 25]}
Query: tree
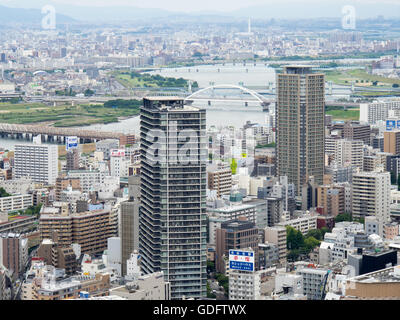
{"type": "Point", "coordinates": [88, 93]}
{"type": "Point", "coordinates": [323, 231]}
{"type": "Point", "coordinates": [4, 193]}
{"type": "Point", "coordinates": [310, 243]}
{"type": "Point", "coordinates": [293, 255]}
{"type": "Point", "coordinates": [210, 266]}
{"type": "Point", "coordinates": [209, 293]}
{"type": "Point", "coordinates": [343, 217]}
{"type": "Point", "coordinates": [294, 238]}
{"type": "Point", "coordinates": [314, 233]}
{"type": "Point", "coordinates": [395, 85]}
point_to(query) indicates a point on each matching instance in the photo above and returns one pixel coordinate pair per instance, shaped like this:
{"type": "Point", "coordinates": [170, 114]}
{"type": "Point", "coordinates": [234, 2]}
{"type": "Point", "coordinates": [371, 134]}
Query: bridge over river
{"type": "Point", "coordinates": [48, 133]}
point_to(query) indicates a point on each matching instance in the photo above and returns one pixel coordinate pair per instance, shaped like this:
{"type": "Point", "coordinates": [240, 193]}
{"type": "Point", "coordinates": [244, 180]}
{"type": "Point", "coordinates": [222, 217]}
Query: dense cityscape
{"type": "Point", "coordinates": [199, 156]}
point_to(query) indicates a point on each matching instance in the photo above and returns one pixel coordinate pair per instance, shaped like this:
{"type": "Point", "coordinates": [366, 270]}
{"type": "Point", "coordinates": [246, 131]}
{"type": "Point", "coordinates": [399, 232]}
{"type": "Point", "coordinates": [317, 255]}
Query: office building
{"type": "Point", "coordinates": [234, 234]}
{"type": "Point", "coordinates": [300, 125]}
{"type": "Point", "coordinates": [172, 236]}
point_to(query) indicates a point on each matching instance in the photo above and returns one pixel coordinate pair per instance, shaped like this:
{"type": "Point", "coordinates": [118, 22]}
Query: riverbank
{"type": "Point", "coordinates": [68, 115]}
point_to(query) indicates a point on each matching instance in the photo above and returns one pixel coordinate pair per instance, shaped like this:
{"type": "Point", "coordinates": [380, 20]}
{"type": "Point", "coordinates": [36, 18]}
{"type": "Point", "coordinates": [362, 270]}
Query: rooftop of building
{"type": "Point", "coordinates": [391, 274]}
{"type": "Point", "coordinates": [72, 215]}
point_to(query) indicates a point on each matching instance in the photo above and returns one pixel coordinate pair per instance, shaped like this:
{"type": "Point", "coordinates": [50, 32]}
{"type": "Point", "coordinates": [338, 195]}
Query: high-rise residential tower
{"type": "Point", "coordinates": [173, 194]}
{"type": "Point", "coordinates": [300, 125]}
{"type": "Point", "coordinates": [37, 161]}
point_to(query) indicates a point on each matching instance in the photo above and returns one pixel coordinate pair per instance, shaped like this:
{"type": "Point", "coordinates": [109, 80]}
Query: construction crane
{"type": "Point", "coordinates": [321, 293]}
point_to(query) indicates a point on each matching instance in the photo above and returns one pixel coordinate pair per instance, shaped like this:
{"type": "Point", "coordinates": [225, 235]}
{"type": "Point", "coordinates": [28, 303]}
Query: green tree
{"type": "Point", "coordinates": [343, 217]}
{"type": "Point", "coordinates": [210, 266]}
{"type": "Point", "coordinates": [4, 193]}
{"type": "Point", "coordinates": [315, 233]}
{"type": "Point", "coordinates": [294, 238]}
{"type": "Point", "coordinates": [293, 255]}
{"type": "Point", "coordinates": [88, 93]}
{"type": "Point", "coordinates": [310, 243]}
{"type": "Point", "coordinates": [323, 231]}
{"type": "Point", "coordinates": [209, 293]}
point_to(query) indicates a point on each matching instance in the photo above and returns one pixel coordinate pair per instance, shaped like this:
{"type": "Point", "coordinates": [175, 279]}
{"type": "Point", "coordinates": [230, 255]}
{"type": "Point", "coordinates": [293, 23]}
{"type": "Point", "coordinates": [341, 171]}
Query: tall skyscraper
{"type": "Point", "coordinates": [37, 161]}
{"type": "Point", "coordinates": [173, 194]}
{"type": "Point", "coordinates": [300, 125]}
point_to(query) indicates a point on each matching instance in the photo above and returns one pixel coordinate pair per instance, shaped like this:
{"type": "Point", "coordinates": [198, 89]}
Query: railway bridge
{"type": "Point", "coordinates": [48, 133]}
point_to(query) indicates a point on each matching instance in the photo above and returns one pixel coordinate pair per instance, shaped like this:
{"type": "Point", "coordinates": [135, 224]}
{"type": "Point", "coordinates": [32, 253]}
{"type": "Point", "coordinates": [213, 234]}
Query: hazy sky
{"type": "Point", "coordinates": [191, 5]}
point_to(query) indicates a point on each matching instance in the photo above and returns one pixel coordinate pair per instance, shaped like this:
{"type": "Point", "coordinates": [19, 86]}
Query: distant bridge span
{"type": "Point", "coordinates": [18, 129]}
{"type": "Point", "coordinates": [254, 94]}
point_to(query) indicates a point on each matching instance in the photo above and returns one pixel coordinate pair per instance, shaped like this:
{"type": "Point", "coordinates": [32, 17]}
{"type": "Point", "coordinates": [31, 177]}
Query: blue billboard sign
{"type": "Point", "coordinates": [390, 125]}
{"type": "Point", "coordinates": [71, 143]}
{"type": "Point", "coordinates": [241, 260]}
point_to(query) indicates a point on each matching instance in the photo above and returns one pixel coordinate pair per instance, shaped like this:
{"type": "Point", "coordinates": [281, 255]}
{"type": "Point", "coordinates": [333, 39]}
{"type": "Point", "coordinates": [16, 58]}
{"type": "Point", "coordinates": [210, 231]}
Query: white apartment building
{"type": "Point", "coordinates": [119, 166]}
{"type": "Point", "coordinates": [346, 152]}
{"type": "Point", "coordinates": [37, 161]}
{"type": "Point", "coordinates": [377, 110]}
{"type": "Point", "coordinates": [304, 224]}
{"type": "Point", "coordinates": [88, 179]}
{"type": "Point", "coordinates": [244, 285]}
{"type": "Point", "coordinates": [234, 211]}
{"type": "Point", "coordinates": [312, 280]}
{"type": "Point", "coordinates": [371, 195]}
{"type": "Point", "coordinates": [277, 236]}
{"type": "Point", "coordinates": [16, 202]}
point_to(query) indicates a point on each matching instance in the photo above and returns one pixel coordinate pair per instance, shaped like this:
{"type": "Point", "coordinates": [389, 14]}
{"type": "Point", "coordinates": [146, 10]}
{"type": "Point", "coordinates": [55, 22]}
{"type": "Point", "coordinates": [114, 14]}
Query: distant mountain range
{"type": "Point", "coordinates": [27, 16]}
{"type": "Point", "coordinates": [289, 9]}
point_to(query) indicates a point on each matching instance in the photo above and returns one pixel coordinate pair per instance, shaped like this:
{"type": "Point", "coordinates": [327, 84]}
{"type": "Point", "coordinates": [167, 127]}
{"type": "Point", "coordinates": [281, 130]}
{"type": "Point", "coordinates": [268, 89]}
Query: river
{"type": "Point", "coordinates": [219, 113]}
